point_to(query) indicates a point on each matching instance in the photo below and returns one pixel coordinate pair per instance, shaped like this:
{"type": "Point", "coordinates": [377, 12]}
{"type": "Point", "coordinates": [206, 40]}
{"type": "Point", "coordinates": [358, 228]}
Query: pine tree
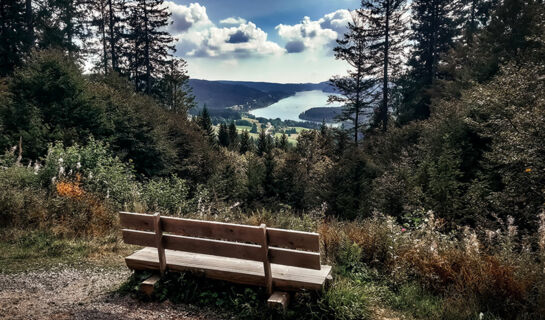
{"type": "Point", "coordinates": [174, 90]}
{"type": "Point", "coordinates": [264, 143]}
{"type": "Point", "coordinates": [437, 24]}
{"type": "Point", "coordinates": [233, 135]}
{"type": "Point", "coordinates": [150, 45]}
{"type": "Point", "coordinates": [476, 15]}
{"type": "Point", "coordinates": [29, 19]}
{"type": "Point", "coordinates": [245, 143]}
{"type": "Point", "coordinates": [223, 135]}
{"type": "Point", "coordinates": [205, 123]}
{"type": "Point", "coordinates": [356, 88]}
{"type": "Point", "coordinates": [269, 181]}
{"type": "Point", "coordinates": [109, 22]}
{"type": "Point", "coordinates": [62, 24]}
{"type": "Point", "coordinates": [254, 128]}
{"type": "Point", "coordinates": [283, 143]}
{"type": "Point", "coordinates": [387, 34]}
{"type": "Point", "coordinates": [13, 35]}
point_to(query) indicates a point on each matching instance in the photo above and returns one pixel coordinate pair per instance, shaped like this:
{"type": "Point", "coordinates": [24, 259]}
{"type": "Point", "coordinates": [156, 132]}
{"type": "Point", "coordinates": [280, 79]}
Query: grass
{"type": "Point", "coordinates": [29, 250]}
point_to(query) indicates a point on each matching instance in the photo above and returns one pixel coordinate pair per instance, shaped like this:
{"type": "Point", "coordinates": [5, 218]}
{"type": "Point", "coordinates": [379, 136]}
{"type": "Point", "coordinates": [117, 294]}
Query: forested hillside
{"type": "Point", "coordinates": [432, 209]}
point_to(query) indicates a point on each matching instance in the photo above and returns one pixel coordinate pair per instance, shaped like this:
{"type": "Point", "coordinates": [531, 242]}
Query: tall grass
{"type": "Point", "coordinates": [420, 269]}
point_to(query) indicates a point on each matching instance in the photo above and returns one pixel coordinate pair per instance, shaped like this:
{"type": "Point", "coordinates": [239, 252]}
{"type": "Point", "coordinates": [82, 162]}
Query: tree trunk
{"type": "Point", "coordinates": [103, 29]}
{"type": "Point", "coordinates": [146, 49]}
{"type": "Point", "coordinates": [112, 36]}
{"type": "Point", "coordinates": [29, 23]}
{"type": "Point", "coordinates": [384, 107]}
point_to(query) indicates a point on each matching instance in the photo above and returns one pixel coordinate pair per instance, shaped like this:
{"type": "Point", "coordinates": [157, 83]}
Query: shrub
{"type": "Point", "coordinates": [346, 300]}
{"type": "Point", "coordinates": [97, 169]}
{"type": "Point", "coordinates": [166, 195]}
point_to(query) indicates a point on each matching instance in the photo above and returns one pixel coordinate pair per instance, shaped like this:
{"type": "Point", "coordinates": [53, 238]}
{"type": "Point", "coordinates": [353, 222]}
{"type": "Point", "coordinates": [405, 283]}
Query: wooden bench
{"type": "Point", "coordinates": [277, 259]}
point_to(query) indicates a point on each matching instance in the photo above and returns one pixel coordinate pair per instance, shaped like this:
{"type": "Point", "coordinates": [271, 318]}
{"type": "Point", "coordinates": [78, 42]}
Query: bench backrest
{"type": "Point", "coordinates": [270, 245]}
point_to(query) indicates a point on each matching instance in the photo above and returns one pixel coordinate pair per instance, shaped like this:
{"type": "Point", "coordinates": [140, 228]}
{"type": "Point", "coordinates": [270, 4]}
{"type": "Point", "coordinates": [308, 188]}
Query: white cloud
{"type": "Point", "coordinates": [199, 37]}
{"type": "Point", "coordinates": [314, 34]}
{"type": "Point", "coordinates": [187, 17]}
{"type": "Point", "coordinates": [336, 21]}
{"type": "Point", "coordinates": [244, 40]}
{"type": "Point", "coordinates": [233, 21]}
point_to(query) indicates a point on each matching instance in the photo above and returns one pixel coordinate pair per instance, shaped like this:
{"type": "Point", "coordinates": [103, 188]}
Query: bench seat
{"type": "Point", "coordinates": [230, 269]}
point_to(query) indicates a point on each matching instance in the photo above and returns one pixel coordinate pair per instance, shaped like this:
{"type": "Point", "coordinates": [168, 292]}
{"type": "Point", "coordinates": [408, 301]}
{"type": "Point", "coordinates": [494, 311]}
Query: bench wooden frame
{"type": "Point", "coordinates": [290, 260]}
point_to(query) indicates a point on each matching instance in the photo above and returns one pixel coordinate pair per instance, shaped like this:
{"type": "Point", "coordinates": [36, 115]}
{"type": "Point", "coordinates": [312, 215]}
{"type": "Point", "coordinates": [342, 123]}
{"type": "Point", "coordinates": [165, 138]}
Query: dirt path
{"type": "Point", "coordinates": [83, 292]}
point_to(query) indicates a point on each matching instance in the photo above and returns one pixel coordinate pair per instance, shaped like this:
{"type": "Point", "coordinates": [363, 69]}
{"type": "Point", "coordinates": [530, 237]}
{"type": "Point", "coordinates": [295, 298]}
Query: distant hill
{"type": "Point", "coordinates": [246, 95]}
{"type": "Point", "coordinates": [286, 87]}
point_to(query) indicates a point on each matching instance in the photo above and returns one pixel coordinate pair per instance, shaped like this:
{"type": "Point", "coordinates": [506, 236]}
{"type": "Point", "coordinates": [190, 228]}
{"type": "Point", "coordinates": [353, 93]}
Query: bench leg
{"type": "Point", "coordinates": [279, 299]}
{"type": "Point", "coordinates": [148, 285]}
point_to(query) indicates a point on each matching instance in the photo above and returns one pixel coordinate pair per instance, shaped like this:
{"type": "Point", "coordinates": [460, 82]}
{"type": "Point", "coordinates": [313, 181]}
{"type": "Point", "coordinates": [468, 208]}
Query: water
{"type": "Point", "coordinates": [289, 108]}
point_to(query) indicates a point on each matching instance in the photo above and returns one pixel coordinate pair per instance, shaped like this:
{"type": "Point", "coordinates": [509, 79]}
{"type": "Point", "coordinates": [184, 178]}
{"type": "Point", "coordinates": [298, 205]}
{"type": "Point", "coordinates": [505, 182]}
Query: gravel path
{"type": "Point", "coordinates": [84, 292]}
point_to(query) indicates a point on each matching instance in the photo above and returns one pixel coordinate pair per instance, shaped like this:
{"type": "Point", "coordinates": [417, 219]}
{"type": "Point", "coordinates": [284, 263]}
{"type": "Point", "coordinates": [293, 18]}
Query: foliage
{"type": "Point", "coordinates": [166, 195]}
{"type": "Point", "coordinates": [94, 165]}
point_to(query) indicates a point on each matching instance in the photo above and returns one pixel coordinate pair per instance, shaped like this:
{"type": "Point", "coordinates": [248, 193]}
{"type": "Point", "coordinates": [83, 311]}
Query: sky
{"type": "Point", "coordinates": [288, 41]}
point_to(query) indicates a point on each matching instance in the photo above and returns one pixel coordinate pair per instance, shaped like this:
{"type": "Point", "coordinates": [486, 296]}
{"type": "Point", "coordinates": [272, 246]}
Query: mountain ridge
{"type": "Point", "coordinates": [219, 95]}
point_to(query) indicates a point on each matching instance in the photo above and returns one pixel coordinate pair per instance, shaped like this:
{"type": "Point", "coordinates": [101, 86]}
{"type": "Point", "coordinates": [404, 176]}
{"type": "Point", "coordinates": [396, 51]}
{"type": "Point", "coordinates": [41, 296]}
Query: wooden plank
{"type": "Point", "coordinates": [214, 247]}
{"type": "Point", "coordinates": [137, 221]}
{"type": "Point", "coordinates": [212, 230]}
{"type": "Point", "coordinates": [295, 258]}
{"type": "Point", "coordinates": [279, 299]}
{"type": "Point", "coordinates": [148, 285]}
{"type": "Point", "coordinates": [139, 238]}
{"type": "Point", "coordinates": [159, 243]}
{"type": "Point", "coordinates": [285, 278]}
{"type": "Point", "coordinates": [291, 239]}
{"type": "Point", "coordinates": [266, 263]}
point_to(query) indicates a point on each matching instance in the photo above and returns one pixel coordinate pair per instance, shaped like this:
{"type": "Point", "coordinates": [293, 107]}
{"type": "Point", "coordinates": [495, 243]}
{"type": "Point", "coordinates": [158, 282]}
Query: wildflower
{"type": "Point", "coordinates": [403, 229]}
{"type": "Point", "coordinates": [69, 189]}
{"type": "Point", "coordinates": [528, 170]}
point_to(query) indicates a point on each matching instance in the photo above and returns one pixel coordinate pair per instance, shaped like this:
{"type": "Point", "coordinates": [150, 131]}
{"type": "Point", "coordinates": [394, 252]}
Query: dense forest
{"type": "Point", "coordinates": [435, 206]}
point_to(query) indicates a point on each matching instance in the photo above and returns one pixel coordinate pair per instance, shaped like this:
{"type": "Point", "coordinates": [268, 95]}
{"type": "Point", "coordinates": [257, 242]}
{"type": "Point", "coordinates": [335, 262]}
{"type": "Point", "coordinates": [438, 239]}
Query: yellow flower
{"type": "Point", "coordinates": [528, 170]}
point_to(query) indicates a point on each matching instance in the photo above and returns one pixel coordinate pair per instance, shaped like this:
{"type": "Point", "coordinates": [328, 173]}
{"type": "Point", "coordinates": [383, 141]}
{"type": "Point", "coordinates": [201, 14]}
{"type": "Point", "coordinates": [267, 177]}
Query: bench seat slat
{"type": "Point", "coordinates": [214, 247]}
{"type": "Point", "coordinates": [291, 239]}
{"type": "Point", "coordinates": [233, 270]}
{"type": "Point", "coordinates": [212, 230]}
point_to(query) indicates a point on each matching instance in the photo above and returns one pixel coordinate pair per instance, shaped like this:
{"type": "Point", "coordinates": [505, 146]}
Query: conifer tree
{"type": "Point", "coordinates": [203, 120]}
{"type": "Point", "coordinates": [476, 15]}
{"type": "Point", "coordinates": [264, 143]}
{"type": "Point", "coordinates": [223, 135]}
{"type": "Point", "coordinates": [387, 35]}
{"type": "Point", "coordinates": [62, 24]}
{"type": "Point", "coordinates": [233, 135]}
{"type": "Point", "coordinates": [436, 26]}
{"type": "Point", "coordinates": [150, 45]}
{"type": "Point", "coordinates": [109, 22]}
{"type": "Point", "coordinates": [283, 143]}
{"type": "Point", "coordinates": [356, 88]}
{"type": "Point", "coordinates": [13, 35]}
{"type": "Point", "coordinates": [173, 89]}
{"type": "Point", "coordinates": [245, 142]}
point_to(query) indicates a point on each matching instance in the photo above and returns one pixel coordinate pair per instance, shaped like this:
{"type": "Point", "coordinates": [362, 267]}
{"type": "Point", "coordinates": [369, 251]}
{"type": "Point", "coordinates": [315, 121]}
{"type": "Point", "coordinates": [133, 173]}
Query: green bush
{"type": "Point", "coordinates": [346, 300]}
{"type": "Point", "coordinates": [94, 165]}
{"type": "Point", "coordinates": [166, 195]}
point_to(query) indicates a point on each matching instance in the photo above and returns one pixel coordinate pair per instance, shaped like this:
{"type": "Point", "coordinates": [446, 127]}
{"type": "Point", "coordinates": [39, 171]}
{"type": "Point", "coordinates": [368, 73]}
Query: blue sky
{"type": "Point", "coordinates": [275, 40]}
